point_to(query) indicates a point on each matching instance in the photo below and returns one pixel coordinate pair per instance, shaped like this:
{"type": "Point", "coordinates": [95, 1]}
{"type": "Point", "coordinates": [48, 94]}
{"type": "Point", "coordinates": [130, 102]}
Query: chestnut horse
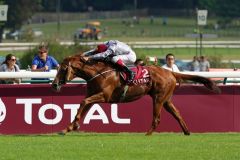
{"type": "Point", "coordinates": [105, 85]}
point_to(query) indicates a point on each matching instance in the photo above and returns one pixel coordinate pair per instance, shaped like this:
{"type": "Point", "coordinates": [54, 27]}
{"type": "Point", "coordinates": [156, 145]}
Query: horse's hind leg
{"type": "Point", "coordinates": [168, 105]}
{"type": "Point", "coordinates": [157, 106]}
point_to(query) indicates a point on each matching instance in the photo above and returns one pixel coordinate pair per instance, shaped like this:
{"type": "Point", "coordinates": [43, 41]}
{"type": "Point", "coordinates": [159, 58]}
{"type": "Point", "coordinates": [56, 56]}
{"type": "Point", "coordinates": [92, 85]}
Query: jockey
{"type": "Point", "coordinates": [115, 51]}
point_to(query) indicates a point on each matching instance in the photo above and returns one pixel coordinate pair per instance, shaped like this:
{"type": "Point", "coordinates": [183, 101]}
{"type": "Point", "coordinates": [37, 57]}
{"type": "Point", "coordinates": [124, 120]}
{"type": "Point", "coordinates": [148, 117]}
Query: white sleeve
{"type": "Point", "coordinates": [110, 51]}
{"type": "Point", "coordinates": [1, 68]}
{"type": "Point", "coordinates": [102, 55]}
{"type": "Point", "coordinates": [88, 53]}
{"type": "Point", "coordinates": [175, 68]}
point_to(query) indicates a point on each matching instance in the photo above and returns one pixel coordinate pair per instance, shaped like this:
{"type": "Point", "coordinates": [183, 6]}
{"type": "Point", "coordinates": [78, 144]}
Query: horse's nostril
{"type": "Point", "coordinates": [54, 85]}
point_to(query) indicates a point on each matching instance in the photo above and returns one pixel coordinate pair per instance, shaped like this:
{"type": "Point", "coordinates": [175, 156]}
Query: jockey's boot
{"type": "Point", "coordinates": [126, 70]}
{"type": "Point", "coordinates": [129, 72]}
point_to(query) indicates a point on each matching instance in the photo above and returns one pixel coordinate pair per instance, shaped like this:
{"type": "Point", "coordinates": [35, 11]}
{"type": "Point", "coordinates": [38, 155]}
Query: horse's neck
{"type": "Point", "coordinates": [97, 68]}
{"type": "Point", "coordinates": [101, 65]}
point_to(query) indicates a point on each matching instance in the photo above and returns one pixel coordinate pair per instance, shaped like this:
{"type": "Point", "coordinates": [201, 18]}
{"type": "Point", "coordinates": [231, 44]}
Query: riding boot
{"type": "Point", "coordinates": [129, 72]}
{"type": "Point", "coordinates": [126, 70]}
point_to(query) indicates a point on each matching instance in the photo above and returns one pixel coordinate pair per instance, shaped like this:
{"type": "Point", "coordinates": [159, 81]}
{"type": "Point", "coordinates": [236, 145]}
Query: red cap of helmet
{"type": "Point", "coordinates": [101, 48]}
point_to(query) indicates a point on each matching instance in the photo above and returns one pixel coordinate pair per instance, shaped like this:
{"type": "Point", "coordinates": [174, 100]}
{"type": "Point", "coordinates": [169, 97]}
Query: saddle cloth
{"type": "Point", "coordinates": [141, 75]}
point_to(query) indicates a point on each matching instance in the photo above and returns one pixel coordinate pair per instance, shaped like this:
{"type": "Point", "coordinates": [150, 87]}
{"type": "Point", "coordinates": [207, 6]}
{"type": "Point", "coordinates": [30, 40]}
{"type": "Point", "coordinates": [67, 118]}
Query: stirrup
{"type": "Point", "coordinates": [129, 81]}
{"type": "Point", "coordinates": [131, 77]}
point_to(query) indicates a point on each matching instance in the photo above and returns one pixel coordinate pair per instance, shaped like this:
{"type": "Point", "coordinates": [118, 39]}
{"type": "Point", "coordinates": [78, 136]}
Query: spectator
{"type": "Point", "coordinates": [170, 63]}
{"type": "Point", "coordinates": [9, 65]}
{"type": "Point", "coordinates": [142, 32]}
{"type": "Point", "coordinates": [152, 60]}
{"type": "Point", "coordinates": [151, 19]}
{"type": "Point", "coordinates": [105, 30]}
{"type": "Point", "coordinates": [43, 62]}
{"type": "Point", "coordinates": [204, 64]}
{"type": "Point", "coordinates": [194, 65]}
{"type": "Point", "coordinates": [139, 62]}
{"type": "Point", "coordinates": [164, 21]}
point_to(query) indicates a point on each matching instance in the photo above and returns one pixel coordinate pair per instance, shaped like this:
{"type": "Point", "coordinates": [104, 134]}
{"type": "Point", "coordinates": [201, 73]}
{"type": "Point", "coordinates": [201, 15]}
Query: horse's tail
{"type": "Point", "coordinates": [207, 82]}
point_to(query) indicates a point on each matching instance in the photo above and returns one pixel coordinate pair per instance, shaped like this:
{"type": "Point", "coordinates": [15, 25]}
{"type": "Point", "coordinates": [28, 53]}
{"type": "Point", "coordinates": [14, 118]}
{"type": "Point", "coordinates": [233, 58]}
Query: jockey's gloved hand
{"type": "Point", "coordinates": [85, 58]}
{"type": "Point", "coordinates": [107, 59]}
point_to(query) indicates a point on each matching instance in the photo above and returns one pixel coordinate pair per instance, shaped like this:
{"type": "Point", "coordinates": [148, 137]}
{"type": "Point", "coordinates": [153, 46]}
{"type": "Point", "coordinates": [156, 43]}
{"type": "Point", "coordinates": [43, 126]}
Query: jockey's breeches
{"type": "Point", "coordinates": [127, 59]}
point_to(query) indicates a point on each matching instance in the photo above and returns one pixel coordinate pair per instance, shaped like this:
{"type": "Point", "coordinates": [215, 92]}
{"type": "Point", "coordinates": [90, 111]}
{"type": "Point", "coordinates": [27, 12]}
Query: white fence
{"type": "Point", "coordinates": [148, 44]}
{"type": "Point", "coordinates": [52, 74]}
{"type": "Point", "coordinates": [28, 74]}
{"type": "Point", "coordinates": [231, 74]}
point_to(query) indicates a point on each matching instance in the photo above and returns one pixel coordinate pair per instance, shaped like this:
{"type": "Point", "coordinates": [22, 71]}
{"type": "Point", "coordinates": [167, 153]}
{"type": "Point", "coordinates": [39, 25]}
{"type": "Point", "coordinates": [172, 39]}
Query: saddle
{"type": "Point", "coordinates": [141, 75]}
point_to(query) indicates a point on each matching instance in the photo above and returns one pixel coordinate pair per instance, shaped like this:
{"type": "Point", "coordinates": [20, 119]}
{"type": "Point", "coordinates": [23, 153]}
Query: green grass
{"type": "Point", "coordinates": [174, 30]}
{"type": "Point", "coordinates": [188, 53]}
{"type": "Point", "coordinates": [180, 53]}
{"type": "Point", "coordinates": [123, 146]}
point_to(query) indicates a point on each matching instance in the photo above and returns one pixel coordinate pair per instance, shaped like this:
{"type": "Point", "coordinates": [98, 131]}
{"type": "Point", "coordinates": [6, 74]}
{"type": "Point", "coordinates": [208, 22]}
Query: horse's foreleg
{"type": "Point", "coordinates": [157, 106]}
{"type": "Point", "coordinates": [75, 123]}
{"type": "Point", "coordinates": [84, 107]}
{"type": "Point", "coordinates": [175, 113]}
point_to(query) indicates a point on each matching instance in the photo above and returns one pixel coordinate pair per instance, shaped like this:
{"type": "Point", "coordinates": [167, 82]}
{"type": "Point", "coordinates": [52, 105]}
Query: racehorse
{"type": "Point", "coordinates": [105, 85]}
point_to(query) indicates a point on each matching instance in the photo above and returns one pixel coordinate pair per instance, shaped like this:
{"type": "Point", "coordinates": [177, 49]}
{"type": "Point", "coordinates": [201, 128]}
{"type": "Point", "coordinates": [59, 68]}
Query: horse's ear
{"type": "Point", "coordinates": [69, 71]}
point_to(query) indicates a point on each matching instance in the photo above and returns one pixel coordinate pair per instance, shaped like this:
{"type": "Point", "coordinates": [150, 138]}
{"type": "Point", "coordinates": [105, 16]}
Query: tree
{"type": "Point", "coordinates": [1, 23]}
{"type": "Point", "coordinates": [222, 8]}
{"type": "Point", "coordinates": [19, 11]}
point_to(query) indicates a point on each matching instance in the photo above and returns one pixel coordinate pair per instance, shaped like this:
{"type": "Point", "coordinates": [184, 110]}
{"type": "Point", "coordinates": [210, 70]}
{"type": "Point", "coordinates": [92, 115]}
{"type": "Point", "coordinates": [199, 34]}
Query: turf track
{"type": "Point", "coordinates": [122, 146]}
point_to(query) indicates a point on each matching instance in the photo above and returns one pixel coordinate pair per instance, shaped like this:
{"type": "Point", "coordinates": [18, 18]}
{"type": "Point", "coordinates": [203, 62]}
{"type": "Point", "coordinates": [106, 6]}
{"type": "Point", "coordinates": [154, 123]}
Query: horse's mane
{"type": "Point", "coordinates": [99, 64]}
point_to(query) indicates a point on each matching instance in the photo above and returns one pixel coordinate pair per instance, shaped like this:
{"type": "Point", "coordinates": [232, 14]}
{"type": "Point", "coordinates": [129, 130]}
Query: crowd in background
{"type": "Point", "coordinates": [198, 64]}
{"type": "Point", "coordinates": [42, 62]}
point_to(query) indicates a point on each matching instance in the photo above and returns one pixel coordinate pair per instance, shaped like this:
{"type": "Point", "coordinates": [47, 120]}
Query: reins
{"type": "Point", "coordinates": [100, 74]}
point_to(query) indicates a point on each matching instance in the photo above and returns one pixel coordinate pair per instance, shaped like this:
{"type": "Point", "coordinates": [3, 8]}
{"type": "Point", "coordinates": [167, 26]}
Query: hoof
{"type": "Point", "coordinates": [76, 127]}
{"type": "Point", "coordinates": [61, 133]}
{"type": "Point", "coordinates": [148, 134]}
{"type": "Point", "coordinates": [187, 134]}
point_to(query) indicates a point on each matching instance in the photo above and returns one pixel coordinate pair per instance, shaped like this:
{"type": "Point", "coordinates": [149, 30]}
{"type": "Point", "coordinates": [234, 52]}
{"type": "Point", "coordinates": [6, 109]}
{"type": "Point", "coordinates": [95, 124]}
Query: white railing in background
{"type": "Point", "coordinates": [52, 74]}
{"type": "Point", "coordinates": [28, 74]}
{"type": "Point", "coordinates": [140, 44]}
{"type": "Point", "coordinates": [231, 74]}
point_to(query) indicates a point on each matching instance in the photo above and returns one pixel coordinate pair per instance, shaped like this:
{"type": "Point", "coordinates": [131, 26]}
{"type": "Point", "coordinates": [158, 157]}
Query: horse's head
{"type": "Point", "coordinates": [71, 67]}
{"type": "Point", "coordinates": [66, 72]}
